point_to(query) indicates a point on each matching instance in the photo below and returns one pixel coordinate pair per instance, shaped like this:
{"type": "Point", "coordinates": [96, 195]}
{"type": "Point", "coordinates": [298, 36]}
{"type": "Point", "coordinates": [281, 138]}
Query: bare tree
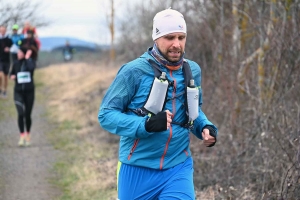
{"type": "Point", "coordinates": [16, 12]}
{"type": "Point", "coordinates": [112, 10]}
{"type": "Point", "coordinates": [112, 30]}
{"type": "Point", "coordinates": [249, 55]}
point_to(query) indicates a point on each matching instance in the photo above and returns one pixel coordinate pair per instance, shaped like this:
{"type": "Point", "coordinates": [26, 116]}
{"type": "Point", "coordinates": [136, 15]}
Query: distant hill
{"type": "Point", "coordinates": [77, 48]}
{"type": "Point", "coordinates": [52, 43]}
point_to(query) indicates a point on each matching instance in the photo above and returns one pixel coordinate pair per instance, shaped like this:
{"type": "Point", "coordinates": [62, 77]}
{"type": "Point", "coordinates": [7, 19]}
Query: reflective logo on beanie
{"type": "Point", "coordinates": [181, 27]}
{"type": "Point", "coordinates": [157, 31]}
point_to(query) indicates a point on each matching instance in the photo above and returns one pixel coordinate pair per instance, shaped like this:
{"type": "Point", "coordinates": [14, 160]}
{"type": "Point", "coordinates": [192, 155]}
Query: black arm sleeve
{"type": "Point", "coordinates": [13, 69]}
{"type": "Point", "coordinates": [10, 43]}
{"type": "Point", "coordinates": [30, 64]}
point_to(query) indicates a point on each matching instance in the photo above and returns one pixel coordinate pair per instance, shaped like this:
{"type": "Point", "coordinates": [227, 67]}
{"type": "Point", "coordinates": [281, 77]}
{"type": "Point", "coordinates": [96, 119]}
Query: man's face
{"type": "Point", "coordinates": [172, 46]}
{"type": "Point", "coordinates": [15, 31]}
{"type": "Point", "coordinates": [2, 30]}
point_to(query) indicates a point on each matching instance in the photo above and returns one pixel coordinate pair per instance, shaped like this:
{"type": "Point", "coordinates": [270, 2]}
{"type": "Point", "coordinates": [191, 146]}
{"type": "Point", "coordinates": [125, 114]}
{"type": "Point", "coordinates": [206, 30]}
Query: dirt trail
{"type": "Point", "coordinates": [25, 173]}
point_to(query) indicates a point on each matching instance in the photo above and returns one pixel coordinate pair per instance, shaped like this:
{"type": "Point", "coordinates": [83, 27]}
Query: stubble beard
{"type": "Point", "coordinates": [170, 58]}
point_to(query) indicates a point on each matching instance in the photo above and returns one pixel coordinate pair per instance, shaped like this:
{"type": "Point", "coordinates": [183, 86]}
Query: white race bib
{"type": "Point", "coordinates": [23, 77]}
{"type": "Point", "coordinates": [14, 48]}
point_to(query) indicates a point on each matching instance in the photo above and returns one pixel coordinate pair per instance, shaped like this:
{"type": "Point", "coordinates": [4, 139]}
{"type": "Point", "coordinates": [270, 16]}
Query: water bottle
{"type": "Point", "coordinates": [158, 94]}
{"type": "Point", "coordinates": [193, 101]}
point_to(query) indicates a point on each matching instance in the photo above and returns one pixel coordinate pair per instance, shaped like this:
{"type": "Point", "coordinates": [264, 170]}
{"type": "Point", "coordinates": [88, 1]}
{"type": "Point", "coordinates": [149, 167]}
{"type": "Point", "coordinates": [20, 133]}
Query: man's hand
{"type": "Point", "coordinates": [207, 138]}
{"type": "Point", "coordinates": [28, 54]}
{"type": "Point", "coordinates": [169, 118]}
{"type": "Point", "coordinates": [6, 49]}
{"type": "Point", "coordinates": [12, 77]}
{"type": "Point", "coordinates": [159, 122]}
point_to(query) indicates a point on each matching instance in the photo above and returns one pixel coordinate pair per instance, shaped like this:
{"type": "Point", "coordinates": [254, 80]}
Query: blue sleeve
{"type": "Point", "coordinates": [112, 114]}
{"type": "Point", "coordinates": [201, 121]}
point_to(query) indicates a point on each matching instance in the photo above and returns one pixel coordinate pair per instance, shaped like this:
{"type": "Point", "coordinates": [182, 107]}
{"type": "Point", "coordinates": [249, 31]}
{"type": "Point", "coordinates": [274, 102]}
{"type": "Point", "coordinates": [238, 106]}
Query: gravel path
{"type": "Point", "coordinates": [25, 172]}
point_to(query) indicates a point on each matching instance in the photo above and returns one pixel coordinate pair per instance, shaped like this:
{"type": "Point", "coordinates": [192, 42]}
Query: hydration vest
{"type": "Point", "coordinates": [157, 97]}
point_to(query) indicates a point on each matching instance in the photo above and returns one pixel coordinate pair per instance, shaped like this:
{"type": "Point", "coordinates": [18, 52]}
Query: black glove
{"type": "Point", "coordinates": [157, 123]}
{"type": "Point", "coordinates": [212, 132]}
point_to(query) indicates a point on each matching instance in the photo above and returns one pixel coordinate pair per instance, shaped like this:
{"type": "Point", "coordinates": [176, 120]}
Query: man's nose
{"type": "Point", "coordinates": [176, 43]}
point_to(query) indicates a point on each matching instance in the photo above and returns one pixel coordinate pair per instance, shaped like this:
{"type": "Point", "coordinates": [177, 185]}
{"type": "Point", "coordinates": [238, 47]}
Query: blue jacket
{"type": "Point", "coordinates": [17, 38]}
{"type": "Point", "coordinates": [129, 91]}
{"type": "Point", "coordinates": [17, 41]}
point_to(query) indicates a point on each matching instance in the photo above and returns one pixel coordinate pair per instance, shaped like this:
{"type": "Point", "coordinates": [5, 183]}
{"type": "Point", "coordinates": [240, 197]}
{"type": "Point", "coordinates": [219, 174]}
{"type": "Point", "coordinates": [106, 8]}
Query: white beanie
{"type": "Point", "coordinates": [168, 21]}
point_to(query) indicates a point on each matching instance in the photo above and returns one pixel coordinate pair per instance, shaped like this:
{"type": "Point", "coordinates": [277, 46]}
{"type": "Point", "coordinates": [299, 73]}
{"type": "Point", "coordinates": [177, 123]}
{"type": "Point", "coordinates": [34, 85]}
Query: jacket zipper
{"type": "Point", "coordinates": [133, 148]}
{"type": "Point", "coordinates": [186, 153]}
{"type": "Point", "coordinates": [171, 131]}
{"type": "Point", "coordinates": [166, 148]}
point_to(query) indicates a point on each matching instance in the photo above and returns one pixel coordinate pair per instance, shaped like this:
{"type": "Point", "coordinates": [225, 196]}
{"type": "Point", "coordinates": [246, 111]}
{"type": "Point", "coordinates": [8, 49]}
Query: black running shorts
{"type": "Point", "coordinates": [4, 67]}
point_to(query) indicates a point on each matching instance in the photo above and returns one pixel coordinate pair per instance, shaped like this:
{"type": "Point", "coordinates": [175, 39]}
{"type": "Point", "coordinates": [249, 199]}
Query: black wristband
{"type": "Point", "coordinates": [157, 123]}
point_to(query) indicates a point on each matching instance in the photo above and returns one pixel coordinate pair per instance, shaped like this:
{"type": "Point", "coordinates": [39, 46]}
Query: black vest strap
{"type": "Point", "coordinates": [157, 71]}
{"type": "Point", "coordinates": [187, 73]}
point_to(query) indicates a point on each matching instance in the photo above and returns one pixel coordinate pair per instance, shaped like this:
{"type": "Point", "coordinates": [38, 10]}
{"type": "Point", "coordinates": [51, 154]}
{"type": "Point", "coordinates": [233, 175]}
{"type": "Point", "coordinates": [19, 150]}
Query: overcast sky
{"type": "Point", "coordinates": [82, 19]}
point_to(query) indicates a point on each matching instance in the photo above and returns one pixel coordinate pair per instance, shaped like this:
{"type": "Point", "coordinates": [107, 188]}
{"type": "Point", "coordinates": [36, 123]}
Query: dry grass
{"type": "Point", "coordinates": [73, 83]}
{"type": "Point", "coordinates": [74, 93]}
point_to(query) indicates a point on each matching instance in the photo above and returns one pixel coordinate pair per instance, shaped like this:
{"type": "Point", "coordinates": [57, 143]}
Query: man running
{"type": "Point", "coordinates": [68, 51]}
{"type": "Point", "coordinates": [5, 45]}
{"type": "Point", "coordinates": [16, 39]}
{"type": "Point", "coordinates": [153, 104]}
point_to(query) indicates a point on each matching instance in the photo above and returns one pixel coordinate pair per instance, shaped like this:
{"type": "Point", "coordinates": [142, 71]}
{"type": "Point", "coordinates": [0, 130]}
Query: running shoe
{"type": "Point", "coordinates": [27, 139]}
{"type": "Point", "coordinates": [21, 141]}
{"type": "Point", "coordinates": [4, 95]}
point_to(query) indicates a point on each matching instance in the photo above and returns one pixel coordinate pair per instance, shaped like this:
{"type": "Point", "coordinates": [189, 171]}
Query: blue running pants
{"type": "Point", "coordinates": [140, 183]}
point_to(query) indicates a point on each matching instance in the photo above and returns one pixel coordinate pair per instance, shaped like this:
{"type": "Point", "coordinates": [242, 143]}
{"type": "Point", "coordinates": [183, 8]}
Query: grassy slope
{"type": "Point", "coordinates": [74, 92]}
{"type": "Point", "coordinates": [7, 108]}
